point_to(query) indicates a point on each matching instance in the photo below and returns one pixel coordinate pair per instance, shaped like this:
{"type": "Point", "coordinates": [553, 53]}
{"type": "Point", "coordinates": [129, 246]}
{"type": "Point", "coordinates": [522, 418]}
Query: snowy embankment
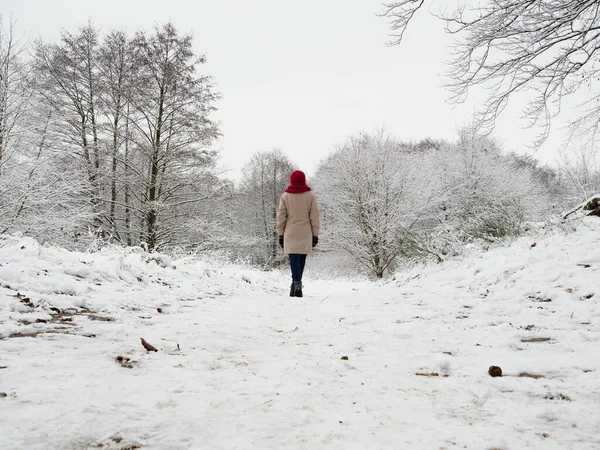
{"type": "Point", "coordinates": [351, 365]}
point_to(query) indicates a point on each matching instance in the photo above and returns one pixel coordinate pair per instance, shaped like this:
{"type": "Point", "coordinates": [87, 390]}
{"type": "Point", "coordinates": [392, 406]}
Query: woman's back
{"type": "Point", "coordinates": [298, 221]}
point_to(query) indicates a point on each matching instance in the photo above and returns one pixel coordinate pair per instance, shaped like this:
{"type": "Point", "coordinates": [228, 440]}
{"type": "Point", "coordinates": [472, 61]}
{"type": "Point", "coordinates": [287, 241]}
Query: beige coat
{"type": "Point", "coordinates": [298, 221]}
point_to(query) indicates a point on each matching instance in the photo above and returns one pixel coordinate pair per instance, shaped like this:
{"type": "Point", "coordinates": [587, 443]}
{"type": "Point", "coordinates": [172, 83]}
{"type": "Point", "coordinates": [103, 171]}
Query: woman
{"type": "Point", "coordinates": [297, 226]}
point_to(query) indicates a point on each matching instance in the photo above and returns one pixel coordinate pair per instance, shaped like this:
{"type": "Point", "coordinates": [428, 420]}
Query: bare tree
{"type": "Point", "coordinates": [117, 129]}
{"type": "Point", "coordinates": [42, 188]}
{"type": "Point", "coordinates": [117, 74]}
{"type": "Point", "coordinates": [67, 77]}
{"type": "Point", "coordinates": [15, 91]}
{"type": "Point", "coordinates": [266, 176]}
{"type": "Point", "coordinates": [172, 105]}
{"type": "Point", "coordinates": [548, 48]}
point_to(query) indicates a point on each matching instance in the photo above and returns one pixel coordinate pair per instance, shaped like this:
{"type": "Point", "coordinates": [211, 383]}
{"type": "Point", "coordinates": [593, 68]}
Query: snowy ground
{"type": "Point", "coordinates": [241, 365]}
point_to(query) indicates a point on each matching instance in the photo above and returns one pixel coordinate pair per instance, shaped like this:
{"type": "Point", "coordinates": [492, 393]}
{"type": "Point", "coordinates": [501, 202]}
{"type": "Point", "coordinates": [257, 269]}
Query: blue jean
{"type": "Point", "coordinates": [297, 262]}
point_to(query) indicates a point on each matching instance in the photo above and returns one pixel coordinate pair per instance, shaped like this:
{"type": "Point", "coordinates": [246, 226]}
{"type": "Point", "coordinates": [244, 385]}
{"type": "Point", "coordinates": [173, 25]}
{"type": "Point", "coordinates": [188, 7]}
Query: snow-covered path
{"type": "Point", "coordinates": [257, 369]}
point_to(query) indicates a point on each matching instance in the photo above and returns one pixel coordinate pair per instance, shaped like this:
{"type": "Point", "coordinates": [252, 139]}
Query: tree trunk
{"type": "Point", "coordinates": [152, 213]}
{"type": "Point", "coordinates": [113, 184]}
{"type": "Point", "coordinates": [126, 166]}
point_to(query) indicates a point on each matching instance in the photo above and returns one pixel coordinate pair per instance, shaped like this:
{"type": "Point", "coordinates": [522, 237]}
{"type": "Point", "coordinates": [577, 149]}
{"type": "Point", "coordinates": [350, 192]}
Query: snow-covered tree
{"type": "Point", "coordinates": [265, 178]}
{"type": "Point", "coordinates": [67, 78]}
{"type": "Point", "coordinates": [37, 195]}
{"type": "Point", "coordinates": [15, 91]}
{"type": "Point", "coordinates": [580, 170]}
{"type": "Point", "coordinates": [385, 202]}
{"type": "Point", "coordinates": [40, 191]}
{"type": "Point", "coordinates": [490, 195]}
{"type": "Point", "coordinates": [172, 102]}
{"type": "Point", "coordinates": [370, 190]}
{"type": "Point", "coordinates": [135, 112]}
{"type": "Point", "coordinates": [117, 75]}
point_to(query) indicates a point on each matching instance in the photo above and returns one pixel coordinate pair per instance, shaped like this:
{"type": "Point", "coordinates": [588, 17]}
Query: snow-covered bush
{"type": "Point", "coordinates": [370, 189]}
{"type": "Point", "coordinates": [438, 243]}
{"type": "Point", "coordinates": [385, 201]}
{"type": "Point", "coordinates": [580, 173]}
{"type": "Point", "coordinates": [492, 222]}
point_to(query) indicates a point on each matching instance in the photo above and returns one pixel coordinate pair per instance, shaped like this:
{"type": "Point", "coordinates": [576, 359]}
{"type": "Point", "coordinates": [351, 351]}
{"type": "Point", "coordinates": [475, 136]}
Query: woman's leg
{"type": "Point", "coordinates": [296, 266]}
{"type": "Point", "coordinates": [302, 263]}
{"type": "Point", "coordinates": [297, 262]}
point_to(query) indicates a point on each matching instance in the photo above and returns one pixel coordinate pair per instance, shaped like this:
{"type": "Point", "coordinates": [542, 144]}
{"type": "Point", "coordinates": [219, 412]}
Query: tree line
{"type": "Point", "coordinates": [106, 133]}
{"type": "Point", "coordinates": [385, 202]}
{"type": "Point", "coordinates": [107, 137]}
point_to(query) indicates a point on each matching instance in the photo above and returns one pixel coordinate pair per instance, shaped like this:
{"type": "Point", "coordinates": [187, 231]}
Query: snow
{"type": "Point", "coordinates": [241, 365]}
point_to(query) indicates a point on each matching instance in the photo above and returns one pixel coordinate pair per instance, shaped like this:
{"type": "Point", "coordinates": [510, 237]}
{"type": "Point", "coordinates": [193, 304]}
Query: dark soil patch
{"type": "Point", "coordinates": [536, 339]}
{"type": "Point", "coordinates": [68, 314]}
{"type": "Point", "coordinates": [531, 375]}
{"type": "Point", "coordinates": [563, 397]}
{"type": "Point", "coordinates": [540, 299]}
{"type": "Point", "coordinates": [430, 374]}
{"type": "Point", "coordinates": [33, 334]}
{"type": "Point", "coordinates": [96, 317]}
{"type": "Point", "coordinates": [63, 324]}
{"type": "Point", "coordinates": [118, 441]}
{"type": "Point", "coordinates": [125, 361]}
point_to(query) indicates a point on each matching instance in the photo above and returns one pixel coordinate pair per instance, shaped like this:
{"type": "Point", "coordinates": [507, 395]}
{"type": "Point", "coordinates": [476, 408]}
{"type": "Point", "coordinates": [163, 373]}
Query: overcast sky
{"type": "Point", "coordinates": [300, 76]}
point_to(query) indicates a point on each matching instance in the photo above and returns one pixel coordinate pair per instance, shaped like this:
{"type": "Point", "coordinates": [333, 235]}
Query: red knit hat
{"type": "Point", "coordinates": [297, 183]}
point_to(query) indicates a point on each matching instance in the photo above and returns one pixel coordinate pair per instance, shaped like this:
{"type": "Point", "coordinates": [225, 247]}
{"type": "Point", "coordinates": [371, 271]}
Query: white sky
{"type": "Point", "coordinates": [300, 76]}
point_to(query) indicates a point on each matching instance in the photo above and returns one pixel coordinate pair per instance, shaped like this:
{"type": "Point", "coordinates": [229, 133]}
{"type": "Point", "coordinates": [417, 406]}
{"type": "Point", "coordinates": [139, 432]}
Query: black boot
{"type": "Point", "coordinates": [297, 288]}
{"type": "Point", "coordinates": [292, 290]}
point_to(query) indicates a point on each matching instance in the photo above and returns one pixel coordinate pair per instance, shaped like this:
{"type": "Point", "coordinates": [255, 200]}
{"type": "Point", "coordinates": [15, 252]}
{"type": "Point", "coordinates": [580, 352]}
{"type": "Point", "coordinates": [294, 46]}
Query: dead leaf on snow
{"type": "Point", "coordinates": [147, 346]}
